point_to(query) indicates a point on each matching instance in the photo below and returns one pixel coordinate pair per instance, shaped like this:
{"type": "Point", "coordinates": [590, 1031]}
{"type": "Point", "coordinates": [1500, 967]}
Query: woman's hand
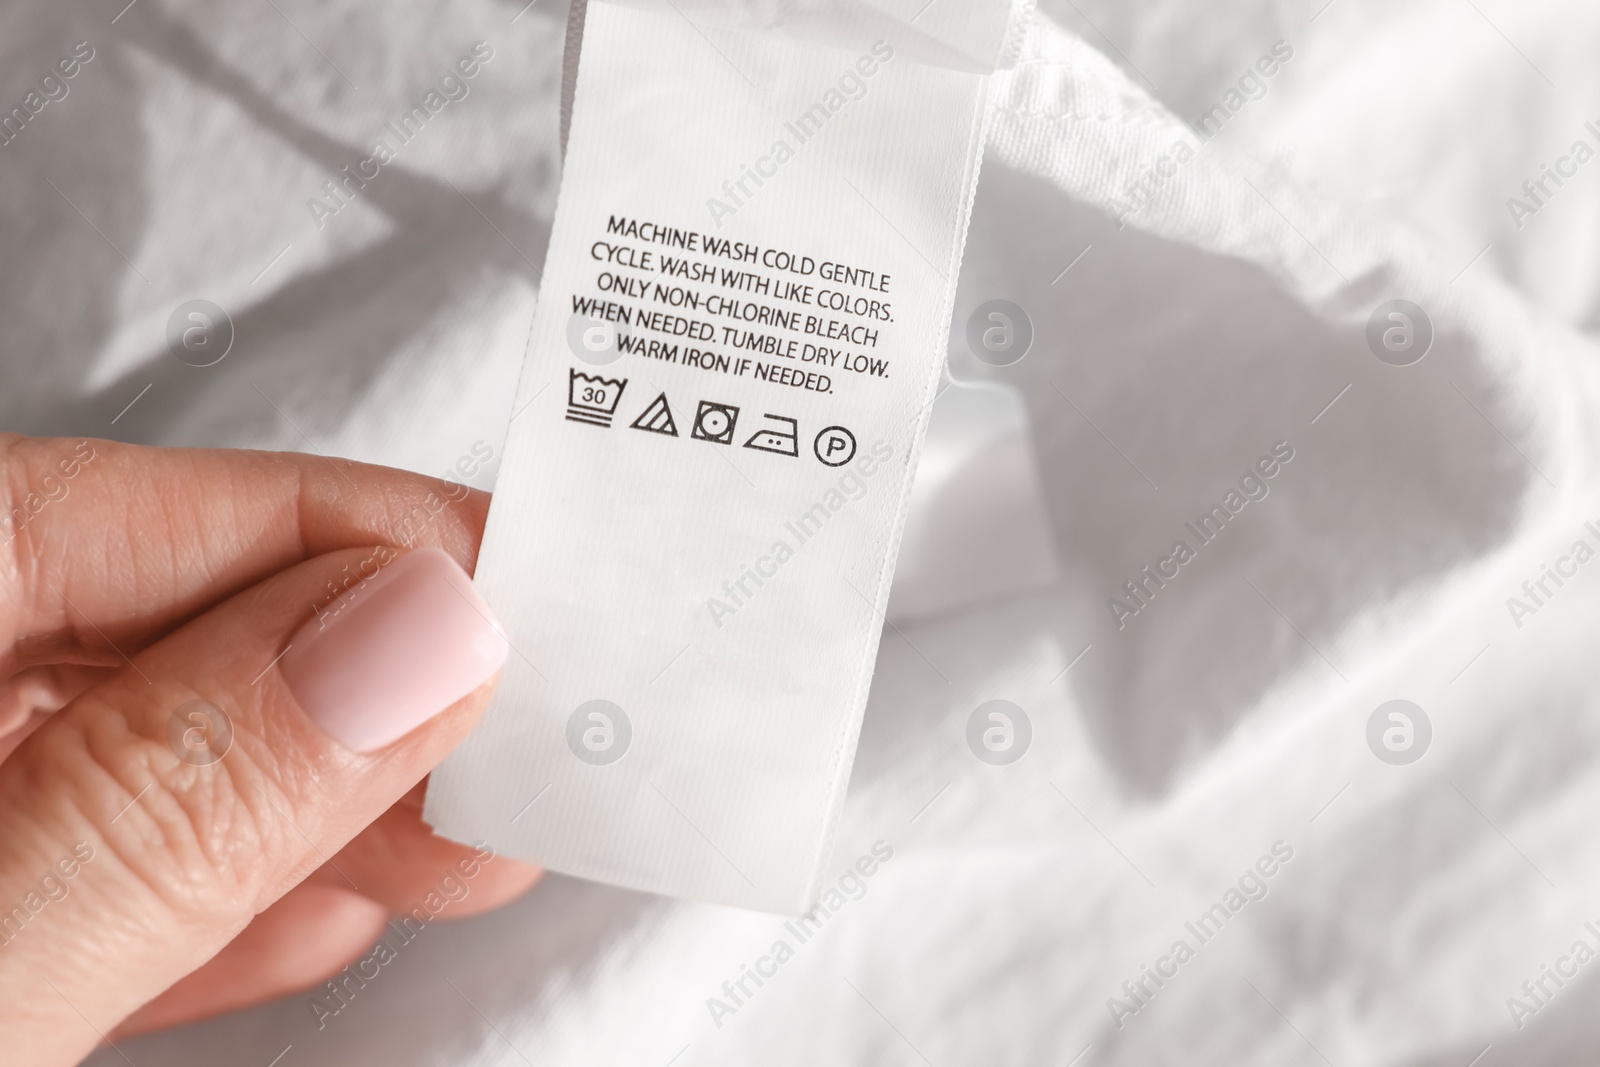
{"type": "Point", "coordinates": [225, 676]}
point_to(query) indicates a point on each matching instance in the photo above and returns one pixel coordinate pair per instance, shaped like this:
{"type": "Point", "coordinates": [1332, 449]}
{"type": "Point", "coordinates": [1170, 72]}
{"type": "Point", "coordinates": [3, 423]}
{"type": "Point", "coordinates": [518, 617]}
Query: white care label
{"type": "Point", "coordinates": [739, 339]}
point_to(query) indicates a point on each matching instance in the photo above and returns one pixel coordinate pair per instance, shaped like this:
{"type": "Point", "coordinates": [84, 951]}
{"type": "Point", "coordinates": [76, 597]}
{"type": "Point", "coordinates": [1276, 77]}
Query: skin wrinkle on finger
{"type": "Point", "coordinates": [191, 840]}
{"type": "Point", "coordinates": [216, 819]}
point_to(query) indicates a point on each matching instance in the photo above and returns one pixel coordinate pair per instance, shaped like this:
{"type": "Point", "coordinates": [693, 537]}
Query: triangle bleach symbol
{"type": "Point", "coordinates": [657, 418]}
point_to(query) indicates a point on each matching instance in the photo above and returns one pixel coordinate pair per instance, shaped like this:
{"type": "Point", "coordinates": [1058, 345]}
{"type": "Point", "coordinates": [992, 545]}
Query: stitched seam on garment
{"type": "Point", "coordinates": [1074, 116]}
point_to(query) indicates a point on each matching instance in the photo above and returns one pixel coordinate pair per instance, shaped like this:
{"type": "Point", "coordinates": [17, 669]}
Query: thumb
{"type": "Point", "coordinates": [144, 825]}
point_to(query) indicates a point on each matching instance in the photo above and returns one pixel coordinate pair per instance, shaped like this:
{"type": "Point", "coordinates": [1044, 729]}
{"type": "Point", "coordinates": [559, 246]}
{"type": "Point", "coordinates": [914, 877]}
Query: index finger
{"type": "Point", "coordinates": [112, 545]}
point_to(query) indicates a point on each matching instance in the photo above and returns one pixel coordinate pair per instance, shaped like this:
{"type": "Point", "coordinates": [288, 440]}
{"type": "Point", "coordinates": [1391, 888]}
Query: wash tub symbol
{"type": "Point", "coordinates": [593, 399]}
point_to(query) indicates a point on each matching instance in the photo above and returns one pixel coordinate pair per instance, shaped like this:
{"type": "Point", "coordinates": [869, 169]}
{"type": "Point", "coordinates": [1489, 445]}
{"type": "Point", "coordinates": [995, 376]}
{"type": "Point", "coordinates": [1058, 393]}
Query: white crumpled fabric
{"type": "Point", "coordinates": [1224, 315]}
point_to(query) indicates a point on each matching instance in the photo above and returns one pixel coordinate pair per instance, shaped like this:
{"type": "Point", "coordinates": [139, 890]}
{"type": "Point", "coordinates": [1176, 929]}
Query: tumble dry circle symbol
{"type": "Point", "coordinates": [714, 422]}
{"type": "Point", "coordinates": [999, 732]}
{"type": "Point", "coordinates": [1399, 732]}
{"type": "Point", "coordinates": [598, 732]}
{"type": "Point", "coordinates": [199, 333]}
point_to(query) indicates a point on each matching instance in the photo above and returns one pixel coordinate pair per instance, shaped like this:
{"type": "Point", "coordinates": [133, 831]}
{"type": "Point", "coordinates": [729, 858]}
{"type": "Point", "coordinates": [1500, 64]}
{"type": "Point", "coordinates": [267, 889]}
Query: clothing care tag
{"type": "Point", "coordinates": [739, 340]}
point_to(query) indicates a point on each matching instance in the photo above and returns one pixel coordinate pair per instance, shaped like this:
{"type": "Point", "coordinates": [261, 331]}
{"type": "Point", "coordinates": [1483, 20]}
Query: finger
{"type": "Point", "coordinates": [300, 942]}
{"type": "Point", "coordinates": [400, 862]}
{"type": "Point", "coordinates": [105, 546]}
{"type": "Point", "coordinates": [180, 850]}
{"type": "Point", "coordinates": [30, 695]}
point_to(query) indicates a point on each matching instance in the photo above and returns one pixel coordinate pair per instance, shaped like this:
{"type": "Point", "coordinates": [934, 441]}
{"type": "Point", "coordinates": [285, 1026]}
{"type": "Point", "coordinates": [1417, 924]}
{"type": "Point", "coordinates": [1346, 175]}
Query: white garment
{"type": "Point", "coordinates": [1224, 317]}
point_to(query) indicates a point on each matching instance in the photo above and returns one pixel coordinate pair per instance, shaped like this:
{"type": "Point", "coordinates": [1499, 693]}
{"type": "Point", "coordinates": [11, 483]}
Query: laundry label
{"type": "Point", "coordinates": [739, 339]}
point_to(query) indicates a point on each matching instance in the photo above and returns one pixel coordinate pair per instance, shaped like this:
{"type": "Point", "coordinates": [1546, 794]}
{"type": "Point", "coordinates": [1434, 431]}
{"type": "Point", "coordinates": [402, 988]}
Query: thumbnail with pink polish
{"type": "Point", "coordinates": [395, 650]}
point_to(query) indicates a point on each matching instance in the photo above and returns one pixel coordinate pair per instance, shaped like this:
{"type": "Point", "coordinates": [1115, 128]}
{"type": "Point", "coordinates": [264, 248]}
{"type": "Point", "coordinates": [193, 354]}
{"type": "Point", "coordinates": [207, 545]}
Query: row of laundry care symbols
{"type": "Point", "coordinates": [593, 400]}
